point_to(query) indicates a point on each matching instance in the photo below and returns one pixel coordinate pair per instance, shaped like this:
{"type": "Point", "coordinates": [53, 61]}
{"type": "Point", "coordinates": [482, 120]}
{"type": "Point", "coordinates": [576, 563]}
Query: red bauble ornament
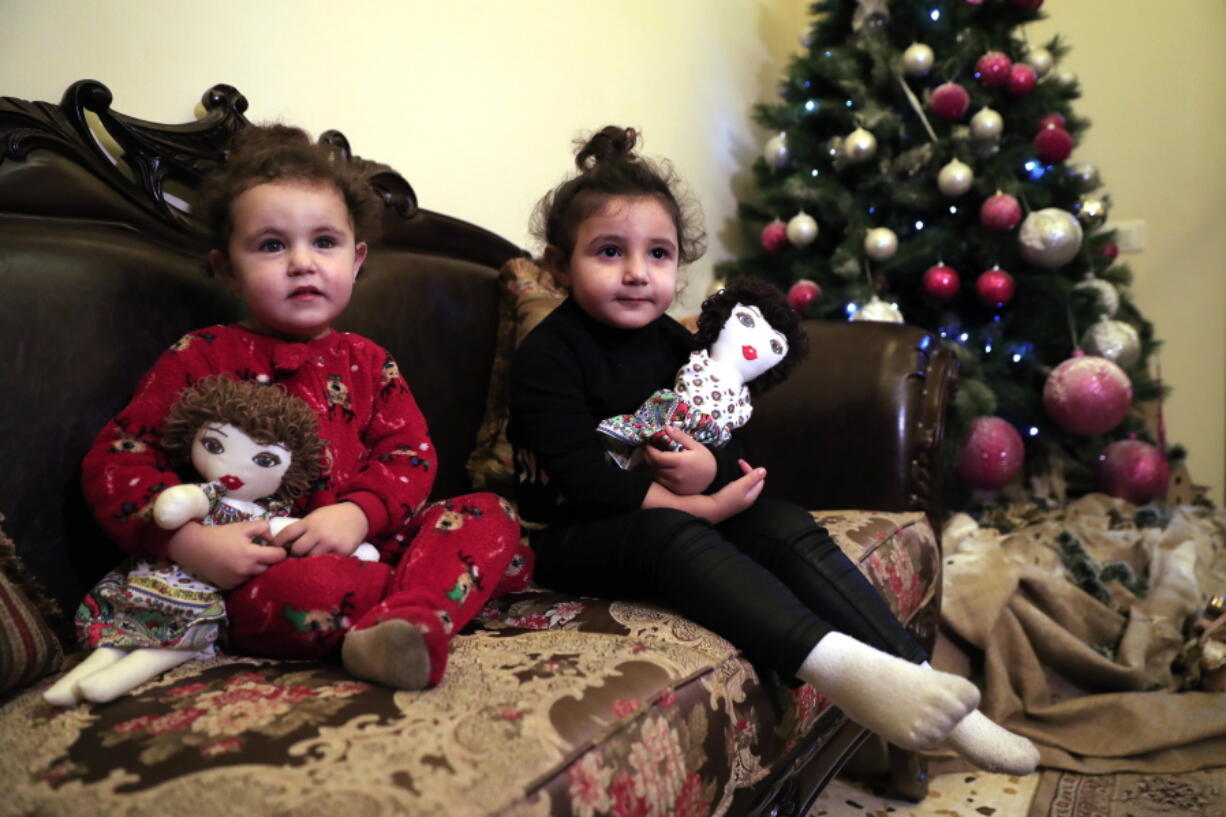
{"type": "Point", "coordinates": [1022, 79]}
{"type": "Point", "coordinates": [995, 288]}
{"type": "Point", "coordinates": [949, 101]}
{"type": "Point", "coordinates": [941, 282]}
{"type": "Point", "coordinates": [1133, 470]}
{"type": "Point", "coordinates": [802, 293]}
{"type": "Point", "coordinates": [1087, 395]}
{"type": "Point", "coordinates": [994, 68]}
{"type": "Point", "coordinates": [774, 236]}
{"type": "Point", "coordinates": [1110, 251]}
{"type": "Point", "coordinates": [1051, 120]}
{"type": "Point", "coordinates": [1000, 213]}
{"type": "Point", "coordinates": [992, 455]}
{"type": "Point", "coordinates": [1053, 144]}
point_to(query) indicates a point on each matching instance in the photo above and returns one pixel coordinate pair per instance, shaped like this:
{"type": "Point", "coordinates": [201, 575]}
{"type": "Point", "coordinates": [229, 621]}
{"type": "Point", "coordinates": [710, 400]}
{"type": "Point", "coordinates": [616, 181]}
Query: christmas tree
{"type": "Point", "coordinates": [919, 168]}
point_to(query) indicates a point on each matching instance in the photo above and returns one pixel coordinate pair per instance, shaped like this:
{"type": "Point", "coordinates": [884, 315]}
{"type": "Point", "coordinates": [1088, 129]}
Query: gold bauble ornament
{"type": "Point", "coordinates": [955, 178]}
{"type": "Point", "coordinates": [880, 243]}
{"type": "Point", "coordinates": [860, 145]}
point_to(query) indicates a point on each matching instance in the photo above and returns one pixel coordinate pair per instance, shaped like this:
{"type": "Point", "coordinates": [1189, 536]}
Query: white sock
{"type": "Point", "coordinates": [992, 747]}
{"type": "Point", "coordinates": [912, 706]}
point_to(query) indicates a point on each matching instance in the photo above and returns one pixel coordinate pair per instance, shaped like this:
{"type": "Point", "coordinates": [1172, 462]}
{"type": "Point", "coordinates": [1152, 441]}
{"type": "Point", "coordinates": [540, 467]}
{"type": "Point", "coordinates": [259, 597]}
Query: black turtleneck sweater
{"type": "Point", "coordinates": [570, 373]}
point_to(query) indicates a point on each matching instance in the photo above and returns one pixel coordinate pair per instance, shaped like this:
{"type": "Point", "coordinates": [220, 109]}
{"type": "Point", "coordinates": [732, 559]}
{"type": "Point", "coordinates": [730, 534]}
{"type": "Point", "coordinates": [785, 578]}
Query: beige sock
{"type": "Point", "coordinates": [991, 747]}
{"type": "Point", "coordinates": [912, 706]}
{"type": "Point", "coordinates": [392, 653]}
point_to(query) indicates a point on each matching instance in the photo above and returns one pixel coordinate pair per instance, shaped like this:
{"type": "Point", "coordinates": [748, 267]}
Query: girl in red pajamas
{"type": "Point", "coordinates": [287, 221]}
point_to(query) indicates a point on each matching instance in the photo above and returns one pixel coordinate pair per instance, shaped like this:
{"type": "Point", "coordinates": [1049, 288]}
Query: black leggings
{"type": "Point", "coordinates": [770, 580]}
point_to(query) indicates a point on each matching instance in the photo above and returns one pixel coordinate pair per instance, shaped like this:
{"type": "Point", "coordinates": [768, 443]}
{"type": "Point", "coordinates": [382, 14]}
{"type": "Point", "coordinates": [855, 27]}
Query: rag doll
{"type": "Point", "coordinates": [748, 340]}
{"type": "Point", "coordinates": [257, 449]}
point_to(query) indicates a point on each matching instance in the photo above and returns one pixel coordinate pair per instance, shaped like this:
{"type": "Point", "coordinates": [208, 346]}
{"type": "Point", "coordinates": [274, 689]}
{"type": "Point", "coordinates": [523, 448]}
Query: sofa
{"type": "Point", "coordinates": [552, 705]}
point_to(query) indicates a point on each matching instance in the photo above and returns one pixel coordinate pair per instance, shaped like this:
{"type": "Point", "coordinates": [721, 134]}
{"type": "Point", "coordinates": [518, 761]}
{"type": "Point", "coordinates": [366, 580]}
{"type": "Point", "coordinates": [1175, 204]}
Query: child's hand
{"type": "Point", "coordinates": [684, 472]}
{"type": "Point", "coordinates": [741, 493]}
{"type": "Point", "coordinates": [338, 528]}
{"type": "Point", "coordinates": [224, 555]}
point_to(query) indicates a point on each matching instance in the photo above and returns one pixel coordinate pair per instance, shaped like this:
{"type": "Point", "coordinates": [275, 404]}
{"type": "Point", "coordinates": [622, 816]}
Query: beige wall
{"type": "Point", "coordinates": [476, 102]}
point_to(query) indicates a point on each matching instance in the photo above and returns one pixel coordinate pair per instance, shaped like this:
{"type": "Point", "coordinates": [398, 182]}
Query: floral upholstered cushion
{"type": "Point", "coordinates": [551, 705]}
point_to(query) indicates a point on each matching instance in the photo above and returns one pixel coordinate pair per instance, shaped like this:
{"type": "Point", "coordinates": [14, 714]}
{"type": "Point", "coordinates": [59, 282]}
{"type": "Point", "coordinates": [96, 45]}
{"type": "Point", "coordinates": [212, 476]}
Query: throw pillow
{"type": "Point", "coordinates": [28, 647]}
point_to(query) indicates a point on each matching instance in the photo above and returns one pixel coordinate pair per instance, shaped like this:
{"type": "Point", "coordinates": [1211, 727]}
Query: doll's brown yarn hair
{"type": "Point", "coordinates": [773, 305]}
{"type": "Point", "coordinates": [261, 154]}
{"type": "Point", "coordinates": [265, 413]}
{"type": "Point", "coordinates": [610, 168]}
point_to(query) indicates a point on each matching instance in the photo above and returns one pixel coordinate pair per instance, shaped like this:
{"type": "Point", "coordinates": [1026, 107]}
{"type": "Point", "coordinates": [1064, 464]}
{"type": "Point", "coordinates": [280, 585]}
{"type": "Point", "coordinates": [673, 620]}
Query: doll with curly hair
{"type": "Point", "coordinates": [257, 450]}
{"type": "Point", "coordinates": [748, 341]}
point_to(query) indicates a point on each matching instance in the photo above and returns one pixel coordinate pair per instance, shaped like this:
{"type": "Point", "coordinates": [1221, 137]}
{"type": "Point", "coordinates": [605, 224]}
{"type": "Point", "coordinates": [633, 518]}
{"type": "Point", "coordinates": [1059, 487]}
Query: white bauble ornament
{"type": "Point", "coordinates": [776, 152]}
{"type": "Point", "coordinates": [987, 125]}
{"type": "Point", "coordinates": [1040, 59]}
{"type": "Point", "coordinates": [802, 229]}
{"type": "Point", "coordinates": [1065, 78]}
{"type": "Point", "coordinates": [1049, 237]}
{"type": "Point", "coordinates": [917, 60]}
{"type": "Point", "coordinates": [860, 145]}
{"type": "Point", "coordinates": [1115, 340]}
{"type": "Point", "coordinates": [880, 243]}
{"type": "Point", "coordinates": [955, 178]}
{"type": "Point", "coordinates": [1106, 295]}
{"type": "Point", "coordinates": [1086, 172]}
{"type": "Point", "coordinates": [878, 310]}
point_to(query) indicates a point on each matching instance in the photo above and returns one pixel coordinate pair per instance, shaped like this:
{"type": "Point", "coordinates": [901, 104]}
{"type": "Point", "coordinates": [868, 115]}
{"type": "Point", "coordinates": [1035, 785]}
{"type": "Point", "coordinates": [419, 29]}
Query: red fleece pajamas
{"type": "Point", "coordinates": [440, 562]}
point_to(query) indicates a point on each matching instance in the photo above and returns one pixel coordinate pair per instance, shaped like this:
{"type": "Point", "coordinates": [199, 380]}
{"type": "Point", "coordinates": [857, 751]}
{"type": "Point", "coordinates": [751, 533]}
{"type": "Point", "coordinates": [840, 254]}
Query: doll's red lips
{"type": "Point", "coordinates": [749, 352]}
{"type": "Point", "coordinates": [231, 482]}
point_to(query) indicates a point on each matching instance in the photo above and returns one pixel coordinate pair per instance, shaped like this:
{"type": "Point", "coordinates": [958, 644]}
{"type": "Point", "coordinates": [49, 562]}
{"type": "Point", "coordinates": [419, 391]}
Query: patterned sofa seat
{"type": "Point", "coordinates": [552, 705]}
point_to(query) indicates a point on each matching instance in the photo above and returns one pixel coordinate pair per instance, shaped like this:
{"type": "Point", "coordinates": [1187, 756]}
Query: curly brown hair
{"type": "Point", "coordinates": [773, 305]}
{"type": "Point", "coordinates": [260, 154]}
{"type": "Point", "coordinates": [265, 413]}
{"type": "Point", "coordinates": [609, 168]}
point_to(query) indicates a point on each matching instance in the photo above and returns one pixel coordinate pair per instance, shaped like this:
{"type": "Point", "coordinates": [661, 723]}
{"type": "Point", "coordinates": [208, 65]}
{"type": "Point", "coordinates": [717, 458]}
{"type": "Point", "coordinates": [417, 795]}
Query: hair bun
{"type": "Point", "coordinates": [609, 143]}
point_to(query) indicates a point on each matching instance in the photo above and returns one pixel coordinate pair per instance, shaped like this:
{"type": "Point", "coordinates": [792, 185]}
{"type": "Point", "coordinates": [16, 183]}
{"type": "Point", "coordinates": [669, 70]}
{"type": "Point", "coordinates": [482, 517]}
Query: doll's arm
{"type": "Point", "coordinates": [179, 504]}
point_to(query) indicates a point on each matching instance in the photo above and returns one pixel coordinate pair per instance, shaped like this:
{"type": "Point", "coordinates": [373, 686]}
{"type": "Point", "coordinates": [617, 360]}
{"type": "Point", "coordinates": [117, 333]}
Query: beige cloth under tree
{"type": "Point", "coordinates": [1088, 679]}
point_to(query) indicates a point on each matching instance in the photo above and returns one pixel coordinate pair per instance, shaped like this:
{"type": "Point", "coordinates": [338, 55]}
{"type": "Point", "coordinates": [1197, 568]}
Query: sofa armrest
{"type": "Point", "coordinates": [860, 423]}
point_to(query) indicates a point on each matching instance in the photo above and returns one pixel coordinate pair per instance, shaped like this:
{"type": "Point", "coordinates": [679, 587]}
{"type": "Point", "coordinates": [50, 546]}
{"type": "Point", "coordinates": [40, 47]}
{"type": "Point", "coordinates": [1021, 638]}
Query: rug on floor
{"type": "Point", "coordinates": [962, 794]}
{"type": "Point", "coordinates": [1066, 794]}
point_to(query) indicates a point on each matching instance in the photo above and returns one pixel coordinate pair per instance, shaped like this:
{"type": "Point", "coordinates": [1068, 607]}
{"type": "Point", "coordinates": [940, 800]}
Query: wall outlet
{"type": "Point", "coordinates": [1129, 235]}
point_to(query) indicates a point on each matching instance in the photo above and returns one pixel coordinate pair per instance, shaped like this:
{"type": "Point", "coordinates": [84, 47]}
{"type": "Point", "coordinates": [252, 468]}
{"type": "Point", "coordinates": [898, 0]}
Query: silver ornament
{"type": "Point", "coordinates": [917, 60]}
{"type": "Point", "coordinates": [1040, 59]}
{"type": "Point", "coordinates": [802, 229]}
{"type": "Point", "coordinates": [1107, 298]}
{"type": "Point", "coordinates": [1086, 172]}
{"type": "Point", "coordinates": [1049, 237]}
{"type": "Point", "coordinates": [955, 178]}
{"type": "Point", "coordinates": [1092, 211]}
{"type": "Point", "coordinates": [860, 145]}
{"type": "Point", "coordinates": [878, 310]}
{"type": "Point", "coordinates": [776, 152]}
{"type": "Point", "coordinates": [1115, 340]}
{"type": "Point", "coordinates": [987, 125]}
{"type": "Point", "coordinates": [880, 243]}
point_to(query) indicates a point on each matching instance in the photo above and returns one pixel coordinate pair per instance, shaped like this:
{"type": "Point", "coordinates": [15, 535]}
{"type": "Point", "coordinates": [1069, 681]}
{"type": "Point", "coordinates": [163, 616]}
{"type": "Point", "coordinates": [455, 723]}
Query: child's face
{"type": "Point", "coordinates": [292, 256]}
{"type": "Point", "coordinates": [623, 270]}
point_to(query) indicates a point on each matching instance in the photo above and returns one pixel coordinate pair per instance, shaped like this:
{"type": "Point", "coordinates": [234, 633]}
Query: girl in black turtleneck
{"type": "Point", "coordinates": [691, 531]}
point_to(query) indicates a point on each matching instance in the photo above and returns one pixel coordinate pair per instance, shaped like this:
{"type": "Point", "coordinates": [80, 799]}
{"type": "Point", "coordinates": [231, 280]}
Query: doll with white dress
{"type": "Point", "coordinates": [748, 340]}
{"type": "Point", "coordinates": [256, 449]}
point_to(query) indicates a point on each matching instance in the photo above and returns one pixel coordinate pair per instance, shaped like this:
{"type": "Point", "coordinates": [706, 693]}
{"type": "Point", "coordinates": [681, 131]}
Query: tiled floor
{"type": "Point", "coordinates": [965, 794]}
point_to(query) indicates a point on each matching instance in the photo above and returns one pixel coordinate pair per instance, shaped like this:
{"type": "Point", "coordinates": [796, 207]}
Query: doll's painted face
{"type": "Point", "coordinates": [223, 453]}
{"type": "Point", "coordinates": [748, 343]}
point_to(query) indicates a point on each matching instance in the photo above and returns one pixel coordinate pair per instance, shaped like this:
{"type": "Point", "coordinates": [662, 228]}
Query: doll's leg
{"type": "Point", "coordinates": [458, 555]}
{"type": "Point", "coordinates": [130, 671]}
{"type": "Point", "coordinates": [301, 608]}
{"type": "Point", "coordinates": [65, 692]}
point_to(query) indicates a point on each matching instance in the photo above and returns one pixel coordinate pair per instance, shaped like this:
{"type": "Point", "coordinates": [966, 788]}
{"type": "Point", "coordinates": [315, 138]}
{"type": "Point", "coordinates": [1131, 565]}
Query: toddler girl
{"type": "Point", "coordinates": [288, 220]}
{"type": "Point", "coordinates": [693, 532]}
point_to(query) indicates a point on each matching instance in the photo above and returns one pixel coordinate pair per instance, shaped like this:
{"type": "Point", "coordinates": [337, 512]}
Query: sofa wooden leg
{"type": "Point", "coordinates": [908, 777]}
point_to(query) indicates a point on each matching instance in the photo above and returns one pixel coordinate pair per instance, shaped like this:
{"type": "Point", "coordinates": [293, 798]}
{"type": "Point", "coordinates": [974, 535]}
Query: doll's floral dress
{"type": "Point", "coordinates": [145, 603]}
